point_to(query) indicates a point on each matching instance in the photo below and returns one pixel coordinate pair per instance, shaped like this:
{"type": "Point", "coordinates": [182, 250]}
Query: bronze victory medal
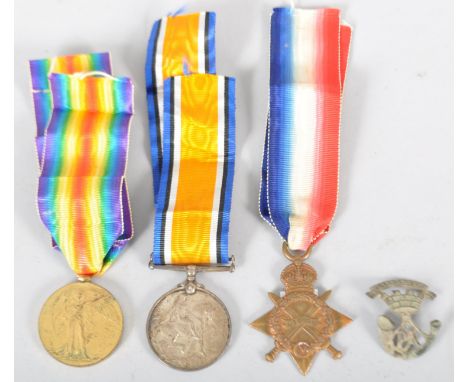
{"type": "Point", "coordinates": [188, 328]}
{"type": "Point", "coordinates": [80, 324]}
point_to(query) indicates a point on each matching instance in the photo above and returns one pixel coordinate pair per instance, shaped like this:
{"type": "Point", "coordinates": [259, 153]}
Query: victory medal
{"type": "Point", "coordinates": [83, 118]}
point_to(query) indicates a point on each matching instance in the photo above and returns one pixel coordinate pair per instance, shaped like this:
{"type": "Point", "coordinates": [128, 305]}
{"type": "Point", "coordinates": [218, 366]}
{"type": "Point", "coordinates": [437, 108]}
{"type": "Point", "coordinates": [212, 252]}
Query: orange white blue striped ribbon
{"type": "Point", "coordinates": [82, 148]}
{"type": "Point", "coordinates": [178, 45]}
{"type": "Point", "coordinates": [194, 198]}
{"type": "Point", "coordinates": [193, 145]}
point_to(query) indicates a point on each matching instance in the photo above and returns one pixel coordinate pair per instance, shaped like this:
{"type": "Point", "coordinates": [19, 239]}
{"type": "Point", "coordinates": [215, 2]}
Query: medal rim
{"type": "Point", "coordinates": [53, 294]}
{"type": "Point", "coordinates": [200, 289]}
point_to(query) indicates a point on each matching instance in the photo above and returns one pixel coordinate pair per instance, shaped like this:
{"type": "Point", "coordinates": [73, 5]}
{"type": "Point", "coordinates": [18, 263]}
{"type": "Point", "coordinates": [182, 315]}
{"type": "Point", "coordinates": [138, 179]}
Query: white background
{"type": "Point", "coordinates": [395, 210]}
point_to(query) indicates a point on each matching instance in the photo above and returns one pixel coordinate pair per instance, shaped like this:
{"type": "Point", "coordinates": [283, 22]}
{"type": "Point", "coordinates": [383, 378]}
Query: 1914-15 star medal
{"type": "Point", "coordinates": [301, 323]}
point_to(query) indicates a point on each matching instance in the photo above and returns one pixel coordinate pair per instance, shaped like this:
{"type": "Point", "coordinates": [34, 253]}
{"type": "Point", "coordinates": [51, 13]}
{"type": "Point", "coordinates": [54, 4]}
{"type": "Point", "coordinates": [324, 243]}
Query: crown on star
{"type": "Point", "coordinates": [298, 277]}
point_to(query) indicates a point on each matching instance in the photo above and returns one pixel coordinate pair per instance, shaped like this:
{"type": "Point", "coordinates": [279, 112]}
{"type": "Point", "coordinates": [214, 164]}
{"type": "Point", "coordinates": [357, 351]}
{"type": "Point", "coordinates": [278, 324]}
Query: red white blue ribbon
{"type": "Point", "coordinates": [308, 60]}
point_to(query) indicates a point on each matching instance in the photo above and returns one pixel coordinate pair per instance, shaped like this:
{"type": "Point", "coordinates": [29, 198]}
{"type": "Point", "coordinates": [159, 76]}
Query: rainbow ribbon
{"type": "Point", "coordinates": [83, 120]}
{"type": "Point", "coordinates": [42, 97]}
{"type": "Point", "coordinates": [308, 60]}
{"type": "Point", "coordinates": [192, 130]}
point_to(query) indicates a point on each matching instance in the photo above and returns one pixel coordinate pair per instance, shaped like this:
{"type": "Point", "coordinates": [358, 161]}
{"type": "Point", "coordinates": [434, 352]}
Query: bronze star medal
{"type": "Point", "coordinates": [301, 323]}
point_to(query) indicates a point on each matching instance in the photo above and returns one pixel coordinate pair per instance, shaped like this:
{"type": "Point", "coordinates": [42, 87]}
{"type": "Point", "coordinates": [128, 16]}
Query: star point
{"type": "Point", "coordinates": [261, 323]}
{"type": "Point", "coordinates": [303, 363]}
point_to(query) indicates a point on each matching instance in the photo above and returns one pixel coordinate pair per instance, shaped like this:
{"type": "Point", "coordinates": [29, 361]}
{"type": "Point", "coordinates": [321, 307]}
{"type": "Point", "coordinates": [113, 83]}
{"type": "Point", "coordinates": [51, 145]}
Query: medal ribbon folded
{"type": "Point", "coordinates": [194, 199]}
{"type": "Point", "coordinates": [192, 122]}
{"type": "Point", "coordinates": [83, 118]}
{"type": "Point", "coordinates": [178, 45]}
{"type": "Point", "coordinates": [308, 60]}
{"type": "Point", "coordinates": [192, 134]}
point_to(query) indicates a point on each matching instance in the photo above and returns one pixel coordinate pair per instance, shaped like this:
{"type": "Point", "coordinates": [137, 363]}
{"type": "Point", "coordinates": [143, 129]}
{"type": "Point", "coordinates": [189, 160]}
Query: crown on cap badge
{"type": "Point", "coordinates": [404, 297]}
